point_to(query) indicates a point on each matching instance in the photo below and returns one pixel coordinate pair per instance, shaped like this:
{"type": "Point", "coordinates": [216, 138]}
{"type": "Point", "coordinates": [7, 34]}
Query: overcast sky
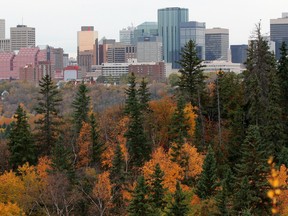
{"type": "Point", "coordinates": [57, 21]}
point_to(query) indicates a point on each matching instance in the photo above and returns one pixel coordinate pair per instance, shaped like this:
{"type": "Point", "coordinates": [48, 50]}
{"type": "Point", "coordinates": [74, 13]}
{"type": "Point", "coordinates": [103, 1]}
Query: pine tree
{"type": "Point", "coordinates": [157, 192]}
{"type": "Point", "coordinates": [139, 205]}
{"type": "Point", "coordinates": [20, 142]}
{"type": "Point", "coordinates": [144, 96]}
{"type": "Point", "coordinates": [253, 166]}
{"type": "Point", "coordinates": [132, 100]}
{"type": "Point", "coordinates": [80, 105]}
{"type": "Point", "coordinates": [207, 183]}
{"type": "Point", "coordinates": [97, 147]}
{"type": "Point", "coordinates": [179, 207]}
{"type": "Point", "coordinates": [48, 125]}
{"type": "Point", "coordinates": [117, 178]}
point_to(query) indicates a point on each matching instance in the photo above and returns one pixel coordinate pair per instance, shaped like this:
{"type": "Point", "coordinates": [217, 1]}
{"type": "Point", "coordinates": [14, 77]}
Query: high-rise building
{"type": "Point", "coordinates": [2, 29]}
{"type": "Point", "coordinates": [121, 53]}
{"type": "Point", "coordinates": [87, 48]}
{"type": "Point", "coordinates": [58, 53]}
{"type": "Point", "coordinates": [194, 31]}
{"type": "Point", "coordinates": [145, 29]}
{"type": "Point", "coordinates": [127, 35]}
{"type": "Point", "coordinates": [239, 53]}
{"type": "Point", "coordinates": [216, 44]}
{"type": "Point", "coordinates": [279, 32]}
{"type": "Point", "coordinates": [5, 45]}
{"type": "Point", "coordinates": [104, 44]}
{"type": "Point", "coordinates": [169, 20]}
{"type": "Point", "coordinates": [149, 49]}
{"type": "Point", "coordinates": [21, 37]}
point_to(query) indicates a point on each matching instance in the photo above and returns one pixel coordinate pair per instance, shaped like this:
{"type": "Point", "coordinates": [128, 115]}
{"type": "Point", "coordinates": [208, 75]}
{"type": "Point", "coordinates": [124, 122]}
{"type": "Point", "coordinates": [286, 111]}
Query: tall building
{"type": "Point", "coordinates": [194, 31]}
{"type": "Point", "coordinates": [5, 45]}
{"type": "Point", "coordinates": [145, 29]}
{"type": "Point", "coordinates": [279, 32]}
{"type": "Point", "coordinates": [121, 53]}
{"type": "Point", "coordinates": [169, 20]}
{"type": "Point", "coordinates": [22, 36]}
{"type": "Point", "coordinates": [104, 44]}
{"type": "Point", "coordinates": [2, 29]}
{"type": "Point", "coordinates": [149, 49]}
{"type": "Point", "coordinates": [239, 53]}
{"type": "Point", "coordinates": [216, 44]}
{"type": "Point", "coordinates": [127, 35]}
{"type": "Point", "coordinates": [87, 48]}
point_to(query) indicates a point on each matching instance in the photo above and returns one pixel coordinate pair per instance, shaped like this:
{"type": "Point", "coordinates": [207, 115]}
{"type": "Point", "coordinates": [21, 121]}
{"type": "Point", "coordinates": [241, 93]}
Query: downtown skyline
{"type": "Point", "coordinates": [57, 24]}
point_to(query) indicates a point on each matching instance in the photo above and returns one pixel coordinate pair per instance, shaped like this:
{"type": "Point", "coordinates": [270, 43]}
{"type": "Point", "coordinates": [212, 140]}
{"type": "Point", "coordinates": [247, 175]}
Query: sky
{"type": "Point", "coordinates": [57, 21]}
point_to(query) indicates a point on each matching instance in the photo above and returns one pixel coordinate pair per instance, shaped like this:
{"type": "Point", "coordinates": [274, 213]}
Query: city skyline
{"type": "Point", "coordinates": [57, 23]}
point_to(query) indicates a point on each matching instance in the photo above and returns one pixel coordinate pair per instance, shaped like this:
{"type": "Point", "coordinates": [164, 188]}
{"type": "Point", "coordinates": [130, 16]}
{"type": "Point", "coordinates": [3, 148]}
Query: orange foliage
{"type": "Point", "coordinates": [172, 171]}
{"type": "Point", "coordinates": [191, 115]}
{"type": "Point", "coordinates": [283, 197]}
{"type": "Point", "coordinates": [44, 165]}
{"type": "Point", "coordinates": [84, 146]}
{"type": "Point", "coordinates": [10, 209]}
{"type": "Point", "coordinates": [4, 120]}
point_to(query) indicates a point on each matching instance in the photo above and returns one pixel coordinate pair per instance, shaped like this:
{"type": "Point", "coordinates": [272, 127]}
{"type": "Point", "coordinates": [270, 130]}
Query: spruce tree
{"type": "Point", "coordinates": [139, 204]}
{"type": "Point", "coordinates": [179, 207]}
{"type": "Point", "coordinates": [132, 100]}
{"type": "Point", "coordinates": [144, 96]}
{"type": "Point", "coordinates": [117, 179]}
{"type": "Point", "coordinates": [47, 126]}
{"type": "Point", "coordinates": [253, 166]}
{"type": "Point", "coordinates": [80, 105]}
{"type": "Point", "coordinates": [207, 183]}
{"type": "Point", "coordinates": [157, 192]}
{"type": "Point", "coordinates": [20, 141]}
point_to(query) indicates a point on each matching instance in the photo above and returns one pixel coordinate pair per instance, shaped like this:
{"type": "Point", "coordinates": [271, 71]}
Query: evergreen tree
{"type": "Point", "coordinates": [179, 207]}
{"type": "Point", "coordinates": [157, 192]}
{"type": "Point", "coordinates": [253, 166]}
{"type": "Point", "coordinates": [139, 205]}
{"type": "Point", "coordinates": [132, 100]}
{"type": "Point", "coordinates": [97, 147]}
{"type": "Point", "coordinates": [178, 130]}
{"type": "Point", "coordinates": [207, 183]}
{"type": "Point", "coordinates": [20, 142]}
{"type": "Point", "coordinates": [80, 105]}
{"type": "Point", "coordinates": [117, 179]}
{"type": "Point", "coordinates": [144, 96]}
{"type": "Point", "coordinates": [48, 125]}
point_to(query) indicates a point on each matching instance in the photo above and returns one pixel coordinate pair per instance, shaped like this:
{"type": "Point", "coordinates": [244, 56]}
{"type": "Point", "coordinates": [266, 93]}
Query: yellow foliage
{"type": "Point", "coordinates": [84, 146]}
{"type": "Point", "coordinates": [102, 188]}
{"type": "Point", "coordinates": [172, 171]}
{"type": "Point", "coordinates": [191, 115]}
{"type": "Point", "coordinates": [107, 155]}
{"type": "Point", "coordinates": [10, 209]}
{"type": "Point", "coordinates": [44, 164]}
{"type": "Point", "coordinates": [283, 197]}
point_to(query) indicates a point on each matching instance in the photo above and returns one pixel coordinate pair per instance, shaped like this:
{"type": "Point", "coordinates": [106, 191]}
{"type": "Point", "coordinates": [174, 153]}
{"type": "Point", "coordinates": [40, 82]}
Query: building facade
{"type": "Point", "coordinates": [169, 20]}
{"type": "Point", "coordinates": [2, 29]}
{"type": "Point", "coordinates": [104, 44]}
{"type": "Point", "coordinates": [126, 35]}
{"type": "Point", "coordinates": [279, 32]}
{"type": "Point", "coordinates": [87, 48]}
{"type": "Point", "coordinates": [22, 36]}
{"type": "Point", "coordinates": [216, 44]}
{"type": "Point", "coordinates": [149, 49]}
{"type": "Point", "coordinates": [5, 45]}
{"type": "Point", "coordinates": [239, 53]}
{"type": "Point", "coordinates": [194, 31]}
{"type": "Point", "coordinates": [146, 29]}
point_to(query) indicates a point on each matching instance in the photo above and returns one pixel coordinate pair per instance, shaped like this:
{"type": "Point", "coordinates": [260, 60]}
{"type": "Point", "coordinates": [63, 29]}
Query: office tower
{"type": "Point", "coordinates": [127, 35]}
{"type": "Point", "coordinates": [194, 31]}
{"type": "Point", "coordinates": [2, 29]}
{"type": "Point", "coordinates": [279, 32]}
{"type": "Point", "coordinates": [87, 48]}
{"type": "Point", "coordinates": [216, 44]}
{"type": "Point", "coordinates": [5, 45]}
{"type": "Point", "coordinates": [22, 36]}
{"type": "Point", "coordinates": [145, 29]}
{"type": "Point", "coordinates": [121, 53]}
{"type": "Point", "coordinates": [103, 49]}
{"type": "Point", "coordinates": [58, 54]}
{"type": "Point", "coordinates": [239, 53]}
{"type": "Point", "coordinates": [149, 49]}
{"type": "Point", "coordinates": [65, 60]}
{"type": "Point", "coordinates": [169, 20]}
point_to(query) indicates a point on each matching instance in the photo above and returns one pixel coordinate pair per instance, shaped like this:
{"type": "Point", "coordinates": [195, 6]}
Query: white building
{"type": "Point", "coordinates": [5, 45]}
{"type": "Point", "coordinates": [22, 36]}
{"type": "Point", "coordinates": [2, 29]}
{"type": "Point", "coordinates": [149, 49]}
{"type": "Point", "coordinates": [226, 66]}
{"type": "Point", "coordinates": [127, 35]}
{"type": "Point", "coordinates": [115, 69]}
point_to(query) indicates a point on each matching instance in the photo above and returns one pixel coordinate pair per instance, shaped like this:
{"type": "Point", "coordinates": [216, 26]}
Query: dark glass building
{"type": "Point", "coordinates": [239, 53]}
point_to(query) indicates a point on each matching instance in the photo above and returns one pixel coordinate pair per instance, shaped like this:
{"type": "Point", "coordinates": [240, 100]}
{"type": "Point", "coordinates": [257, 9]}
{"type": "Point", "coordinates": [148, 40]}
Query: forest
{"type": "Point", "coordinates": [204, 146]}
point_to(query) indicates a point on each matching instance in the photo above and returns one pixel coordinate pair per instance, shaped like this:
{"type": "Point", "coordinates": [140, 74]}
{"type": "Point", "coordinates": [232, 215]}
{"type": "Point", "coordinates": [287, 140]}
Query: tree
{"type": "Point", "coordinates": [80, 105]}
{"type": "Point", "coordinates": [139, 205]}
{"type": "Point", "coordinates": [21, 144]}
{"type": "Point", "coordinates": [179, 207]}
{"type": "Point", "coordinates": [84, 145]}
{"type": "Point", "coordinates": [131, 101]}
{"type": "Point", "coordinates": [47, 107]}
{"type": "Point", "coordinates": [117, 178]}
{"type": "Point", "coordinates": [157, 191]}
{"type": "Point", "coordinates": [144, 96]}
{"type": "Point", "coordinates": [207, 183]}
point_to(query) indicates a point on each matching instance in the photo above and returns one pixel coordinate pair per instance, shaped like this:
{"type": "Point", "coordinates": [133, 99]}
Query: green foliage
{"type": "Point", "coordinates": [20, 143]}
{"type": "Point", "coordinates": [207, 182]}
{"type": "Point", "coordinates": [179, 207]}
{"type": "Point", "coordinates": [144, 96]}
{"type": "Point", "coordinates": [80, 105]}
{"type": "Point", "coordinates": [139, 205]}
{"type": "Point", "coordinates": [48, 126]}
{"type": "Point", "coordinates": [173, 79]}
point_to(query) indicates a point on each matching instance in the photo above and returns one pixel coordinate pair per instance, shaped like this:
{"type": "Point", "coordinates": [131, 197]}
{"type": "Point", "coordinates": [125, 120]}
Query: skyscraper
{"type": "Point", "coordinates": [239, 53]}
{"type": "Point", "coordinates": [149, 49]}
{"type": "Point", "coordinates": [2, 29]}
{"type": "Point", "coordinates": [194, 31]}
{"type": "Point", "coordinates": [169, 20]}
{"type": "Point", "coordinates": [279, 32]}
{"type": "Point", "coordinates": [22, 36]}
{"type": "Point", "coordinates": [127, 35]}
{"type": "Point", "coordinates": [216, 44]}
{"type": "Point", "coordinates": [87, 48]}
{"type": "Point", "coordinates": [145, 29]}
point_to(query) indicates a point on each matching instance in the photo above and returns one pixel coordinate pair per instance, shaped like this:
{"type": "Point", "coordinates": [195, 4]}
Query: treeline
{"type": "Point", "coordinates": [212, 148]}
